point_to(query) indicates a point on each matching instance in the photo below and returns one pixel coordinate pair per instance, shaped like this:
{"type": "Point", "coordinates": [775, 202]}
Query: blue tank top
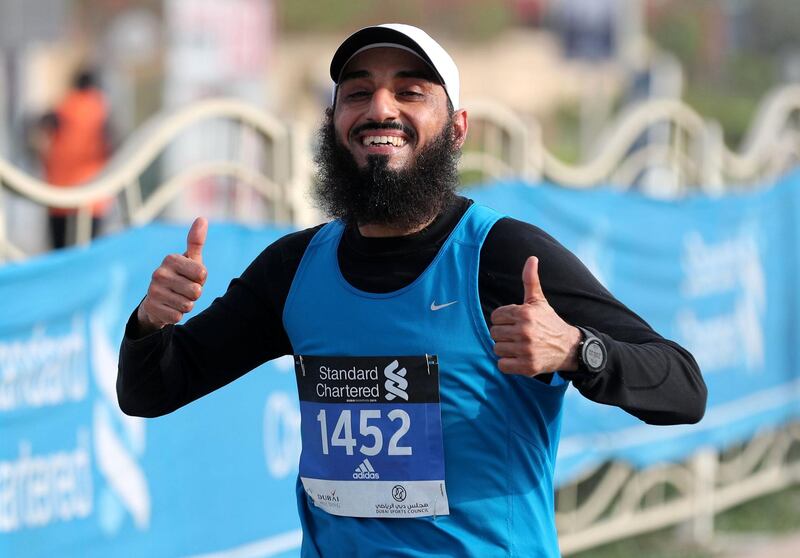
{"type": "Point", "coordinates": [500, 432]}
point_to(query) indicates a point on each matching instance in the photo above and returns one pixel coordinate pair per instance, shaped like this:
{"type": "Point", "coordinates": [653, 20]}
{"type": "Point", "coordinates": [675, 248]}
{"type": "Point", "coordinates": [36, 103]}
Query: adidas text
{"type": "Point", "coordinates": [367, 475]}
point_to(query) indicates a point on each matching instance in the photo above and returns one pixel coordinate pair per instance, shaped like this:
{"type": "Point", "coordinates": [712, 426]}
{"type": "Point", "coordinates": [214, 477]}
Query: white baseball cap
{"type": "Point", "coordinates": [406, 37]}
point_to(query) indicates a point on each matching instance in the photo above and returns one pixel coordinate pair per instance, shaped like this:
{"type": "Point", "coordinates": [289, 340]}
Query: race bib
{"type": "Point", "coordinates": [372, 435]}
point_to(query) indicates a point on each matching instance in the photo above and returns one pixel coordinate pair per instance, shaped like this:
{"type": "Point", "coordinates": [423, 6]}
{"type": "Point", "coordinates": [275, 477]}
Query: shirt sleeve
{"type": "Point", "coordinates": [650, 377]}
{"type": "Point", "coordinates": [240, 330]}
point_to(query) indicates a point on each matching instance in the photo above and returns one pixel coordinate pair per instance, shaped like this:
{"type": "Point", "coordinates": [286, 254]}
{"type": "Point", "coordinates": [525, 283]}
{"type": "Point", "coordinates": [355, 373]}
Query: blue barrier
{"type": "Point", "coordinates": [78, 478]}
{"type": "Point", "coordinates": [717, 275]}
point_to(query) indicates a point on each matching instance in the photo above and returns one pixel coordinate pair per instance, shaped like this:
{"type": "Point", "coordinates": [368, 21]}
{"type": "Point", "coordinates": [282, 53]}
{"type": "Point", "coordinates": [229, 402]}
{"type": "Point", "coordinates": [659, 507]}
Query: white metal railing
{"type": "Point", "coordinates": [281, 186]}
{"type": "Point", "coordinates": [693, 155]}
{"type": "Point", "coordinates": [622, 502]}
{"type": "Point", "coordinates": [765, 139]}
{"type": "Point", "coordinates": [696, 152]}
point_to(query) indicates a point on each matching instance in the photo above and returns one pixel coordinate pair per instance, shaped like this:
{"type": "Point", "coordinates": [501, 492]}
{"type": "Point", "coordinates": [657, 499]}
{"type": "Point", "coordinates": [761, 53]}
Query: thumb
{"type": "Point", "coordinates": [196, 239]}
{"type": "Point", "coordinates": [530, 280]}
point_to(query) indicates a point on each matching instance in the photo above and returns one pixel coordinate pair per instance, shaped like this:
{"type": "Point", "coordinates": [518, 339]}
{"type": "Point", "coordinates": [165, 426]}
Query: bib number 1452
{"type": "Point", "coordinates": [342, 434]}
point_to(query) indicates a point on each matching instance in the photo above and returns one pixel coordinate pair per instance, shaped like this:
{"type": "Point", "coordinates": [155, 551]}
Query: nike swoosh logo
{"type": "Point", "coordinates": [436, 307]}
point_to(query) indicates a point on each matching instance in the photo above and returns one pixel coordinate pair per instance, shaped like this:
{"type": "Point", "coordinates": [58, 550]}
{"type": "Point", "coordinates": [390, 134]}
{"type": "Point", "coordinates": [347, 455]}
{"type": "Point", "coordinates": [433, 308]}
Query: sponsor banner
{"type": "Point", "coordinates": [717, 275]}
{"type": "Point", "coordinates": [80, 479]}
{"type": "Point", "coordinates": [367, 419]}
{"type": "Point", "coordinates": [390, 499]}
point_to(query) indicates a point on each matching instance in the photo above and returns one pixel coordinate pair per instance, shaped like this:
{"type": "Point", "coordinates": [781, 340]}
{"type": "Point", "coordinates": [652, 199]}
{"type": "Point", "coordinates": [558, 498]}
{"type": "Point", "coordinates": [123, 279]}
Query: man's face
{"type": "Point", "coordinates": [388, 152]}
{"type": "Point", "coordinates": [388, 104]}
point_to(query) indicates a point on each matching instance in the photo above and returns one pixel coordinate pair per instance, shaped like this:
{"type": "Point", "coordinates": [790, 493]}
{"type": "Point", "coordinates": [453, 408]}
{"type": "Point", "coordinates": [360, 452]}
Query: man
{"type": "Point", "coordinates": [433, 338]}
{"type": "Point", "coordinates": [77, 148]}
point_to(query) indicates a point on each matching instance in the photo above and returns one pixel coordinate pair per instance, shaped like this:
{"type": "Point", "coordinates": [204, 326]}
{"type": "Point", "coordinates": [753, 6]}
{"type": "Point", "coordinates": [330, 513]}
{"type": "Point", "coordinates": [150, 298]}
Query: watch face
{"type": "Point", "coordinates": [593, 354]}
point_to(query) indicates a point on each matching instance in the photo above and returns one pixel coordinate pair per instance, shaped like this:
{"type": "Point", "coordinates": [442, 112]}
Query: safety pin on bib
{"type": "Point", "coordinates": [429, 359]}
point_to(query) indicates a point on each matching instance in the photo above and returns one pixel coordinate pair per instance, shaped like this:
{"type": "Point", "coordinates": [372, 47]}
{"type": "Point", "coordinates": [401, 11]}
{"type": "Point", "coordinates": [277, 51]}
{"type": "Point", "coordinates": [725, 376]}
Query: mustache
{"type": "Point", "coordinates": [367, 126]}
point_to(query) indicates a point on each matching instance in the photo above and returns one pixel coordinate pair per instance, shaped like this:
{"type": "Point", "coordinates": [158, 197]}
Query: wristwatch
{"type": "Point", "coordinates": [592, 354]}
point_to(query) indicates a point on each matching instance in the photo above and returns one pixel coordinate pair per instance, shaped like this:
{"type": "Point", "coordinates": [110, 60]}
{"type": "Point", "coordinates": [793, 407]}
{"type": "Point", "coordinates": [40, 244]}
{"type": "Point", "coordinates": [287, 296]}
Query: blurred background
{"type": "Point", "coordinates": [721, 57]}
{"type": "Point", "coordinates": [176, 108]}
{"type": "Point", "coordinates": [564, 68]}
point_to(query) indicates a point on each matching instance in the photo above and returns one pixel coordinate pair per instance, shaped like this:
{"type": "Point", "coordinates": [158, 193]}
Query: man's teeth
{"type": "Point", "coordinates": [384, 140]}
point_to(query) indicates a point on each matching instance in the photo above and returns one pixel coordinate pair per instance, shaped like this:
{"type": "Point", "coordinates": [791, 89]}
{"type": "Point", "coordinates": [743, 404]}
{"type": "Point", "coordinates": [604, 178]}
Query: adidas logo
{"type": "Point", "coordinates": [365, 471]}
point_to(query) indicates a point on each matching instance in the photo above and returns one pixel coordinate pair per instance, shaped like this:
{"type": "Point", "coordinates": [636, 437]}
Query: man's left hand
{"type": "Point", "coordinates": [530, 338]}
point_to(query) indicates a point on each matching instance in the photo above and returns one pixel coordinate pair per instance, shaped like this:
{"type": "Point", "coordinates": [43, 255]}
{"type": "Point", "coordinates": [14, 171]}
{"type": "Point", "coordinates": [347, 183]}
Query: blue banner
{"type": "Point", "coordinates": [717, 275]}
{"type": "Point", "coordinates": [79, 478]}
{"type": "Point", "coordinates": [217, 478]}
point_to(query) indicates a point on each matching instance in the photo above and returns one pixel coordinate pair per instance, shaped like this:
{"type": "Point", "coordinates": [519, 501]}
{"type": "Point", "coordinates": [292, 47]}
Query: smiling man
{"type": "Point", "coordinates": [433, 338]}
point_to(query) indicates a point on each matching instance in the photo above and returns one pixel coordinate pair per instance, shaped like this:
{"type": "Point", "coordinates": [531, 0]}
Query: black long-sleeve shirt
{"type": "Point", "coordinates": [648, 376]}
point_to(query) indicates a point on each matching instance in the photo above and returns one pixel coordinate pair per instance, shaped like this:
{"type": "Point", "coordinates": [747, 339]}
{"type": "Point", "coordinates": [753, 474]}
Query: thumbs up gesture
{"type": "Point", "coordinates": [530, 338]}
{"type": "Point", "coordinates": [176, 284]}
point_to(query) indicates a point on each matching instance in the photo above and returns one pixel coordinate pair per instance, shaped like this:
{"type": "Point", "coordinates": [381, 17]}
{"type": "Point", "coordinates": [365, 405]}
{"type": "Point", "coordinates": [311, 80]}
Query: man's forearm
{"type": "Point", "coordinates": [657, 382]}
{"type": "Point", "coordinates": [140, 385]}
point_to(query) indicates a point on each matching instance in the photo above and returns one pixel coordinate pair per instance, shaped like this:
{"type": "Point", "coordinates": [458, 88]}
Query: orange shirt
{"type": "Point", "coordinates": [78, 148]}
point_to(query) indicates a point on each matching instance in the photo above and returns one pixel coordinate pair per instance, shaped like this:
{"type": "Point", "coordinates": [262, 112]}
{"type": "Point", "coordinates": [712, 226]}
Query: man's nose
{"type": "Point", "coordinates": [383, 106]}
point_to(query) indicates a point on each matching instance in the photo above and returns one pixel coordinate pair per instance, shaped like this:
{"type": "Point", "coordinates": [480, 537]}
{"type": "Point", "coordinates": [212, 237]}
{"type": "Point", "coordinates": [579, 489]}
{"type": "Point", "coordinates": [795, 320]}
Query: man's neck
{"type": "Point", "coordinates": [373, 230]}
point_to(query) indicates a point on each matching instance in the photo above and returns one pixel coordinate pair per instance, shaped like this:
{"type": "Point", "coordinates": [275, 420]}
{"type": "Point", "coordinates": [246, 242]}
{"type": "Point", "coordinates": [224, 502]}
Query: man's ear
{"type": "Point", "coordinates": [460, 127]}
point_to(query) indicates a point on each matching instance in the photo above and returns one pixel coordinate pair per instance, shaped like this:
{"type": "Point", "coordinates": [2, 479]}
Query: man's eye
{"type": "Point", "coordinates": [357, 94]}
{"type": "Point", "coordinates": [411, 94]}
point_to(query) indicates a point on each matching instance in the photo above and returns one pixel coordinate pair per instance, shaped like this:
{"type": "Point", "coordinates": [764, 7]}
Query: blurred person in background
{"type": "Point", "coordinates": [74, 146]}
{"type": "Point", "coordinates": [433, 338]}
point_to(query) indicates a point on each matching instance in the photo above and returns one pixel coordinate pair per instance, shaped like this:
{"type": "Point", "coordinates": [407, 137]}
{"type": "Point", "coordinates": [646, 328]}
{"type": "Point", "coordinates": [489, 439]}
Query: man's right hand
{"type": "Point", "coordinates": [176, 284]}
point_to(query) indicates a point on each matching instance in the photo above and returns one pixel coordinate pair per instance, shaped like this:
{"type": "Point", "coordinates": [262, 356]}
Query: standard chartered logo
{"type": "Point", "coordinates": [396, 382]}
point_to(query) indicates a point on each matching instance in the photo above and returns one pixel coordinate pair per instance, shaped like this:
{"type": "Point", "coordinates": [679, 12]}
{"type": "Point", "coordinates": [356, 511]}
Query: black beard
{"type": "Point", "coordinates": [407, 198]}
